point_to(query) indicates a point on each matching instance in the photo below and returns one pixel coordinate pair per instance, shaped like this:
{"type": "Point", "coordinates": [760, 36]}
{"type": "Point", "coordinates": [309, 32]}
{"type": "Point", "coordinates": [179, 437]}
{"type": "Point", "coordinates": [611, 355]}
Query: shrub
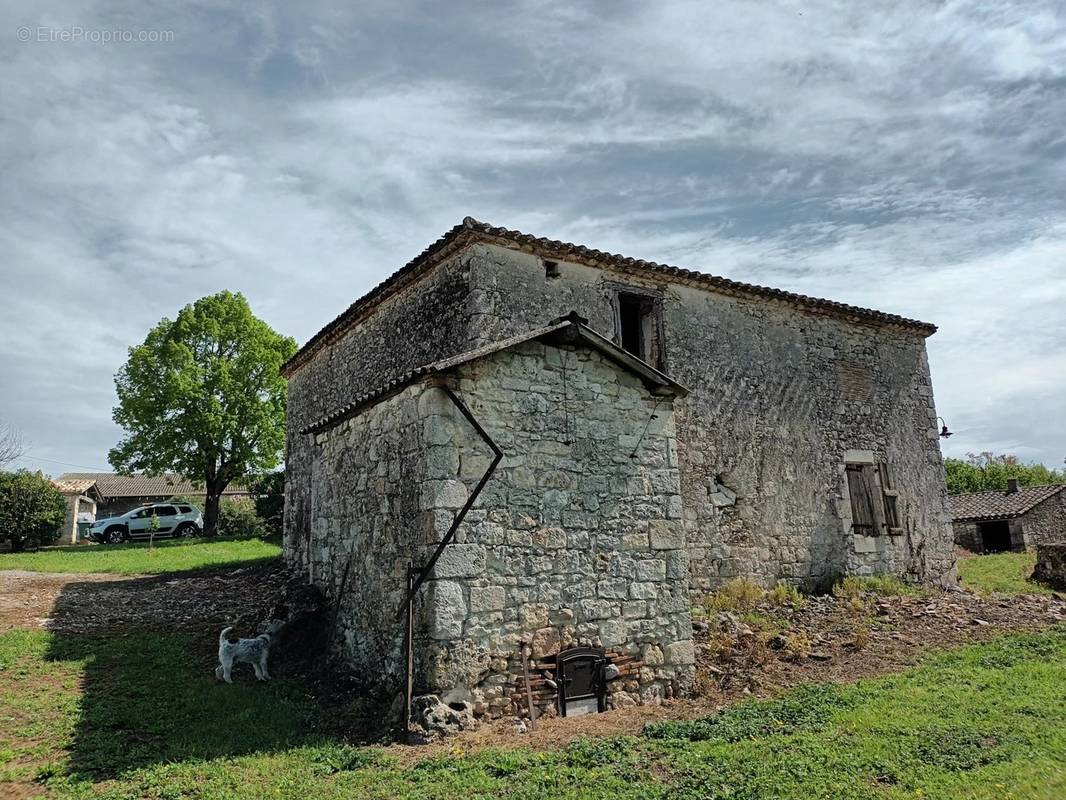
{"type": "Point", "coordinates": [862, 638]}
{"type": "Point", "coordinates": [784, 594]}
{"type": "Point", "coordinates": [742, 595]}
{"type": "Point", "coordinates": [268, 490]}
{"type": "Point", "coordinates": [739, 595]}
{"type": "Point", "coordinates": [31, 509]}
{"type": "Point", "coordinates": [797, 645]}
{"type": "Point", "coordinates": [238, 518]}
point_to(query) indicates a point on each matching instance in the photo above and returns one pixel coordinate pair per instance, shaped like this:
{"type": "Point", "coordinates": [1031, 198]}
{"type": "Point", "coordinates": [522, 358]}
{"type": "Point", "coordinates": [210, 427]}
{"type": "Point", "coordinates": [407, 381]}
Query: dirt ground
{"type": "Point", "coordinates": [841, 640]}
{"type": "Point", "coordinates": [733, 665]}
{"type": "Point", "coordinates": [96, 603]}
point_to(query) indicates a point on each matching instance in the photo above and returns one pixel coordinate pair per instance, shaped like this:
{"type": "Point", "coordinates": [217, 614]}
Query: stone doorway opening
{"type": "Point", "coordinates": [995, 536]}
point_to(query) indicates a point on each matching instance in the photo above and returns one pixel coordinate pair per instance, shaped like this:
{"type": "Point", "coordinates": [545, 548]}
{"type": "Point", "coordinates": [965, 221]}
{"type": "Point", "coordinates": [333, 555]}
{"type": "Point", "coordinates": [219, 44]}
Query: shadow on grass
{"type": "Point", "coordinates": [148, 693]}
{"type": "Point", "coordinates": [149, 698]}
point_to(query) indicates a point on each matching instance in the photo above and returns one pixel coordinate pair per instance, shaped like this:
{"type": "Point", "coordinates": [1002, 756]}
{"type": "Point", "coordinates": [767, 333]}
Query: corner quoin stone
{"type": "Point", "coordinates": [447, 610]}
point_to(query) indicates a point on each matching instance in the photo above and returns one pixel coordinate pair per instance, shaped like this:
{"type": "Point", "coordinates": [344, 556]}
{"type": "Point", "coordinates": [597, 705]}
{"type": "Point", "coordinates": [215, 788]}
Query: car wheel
{"type": "Point", "coordinates": [186, 529]}
{"type": "Point", "coordinates": [115, 536]}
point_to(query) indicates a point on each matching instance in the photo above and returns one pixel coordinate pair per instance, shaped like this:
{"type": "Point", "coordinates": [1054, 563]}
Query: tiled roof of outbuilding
{"type": "Point", "coordinates": [999, 505]}
{"type": "Point", "coordinates": [471, 231]}
{"type": "Point", "coordinates": [110, 484]}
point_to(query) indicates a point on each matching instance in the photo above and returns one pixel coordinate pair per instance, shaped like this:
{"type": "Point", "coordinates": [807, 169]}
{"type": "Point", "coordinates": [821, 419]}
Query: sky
{"type": "Point", "coordinates": [906, 156]}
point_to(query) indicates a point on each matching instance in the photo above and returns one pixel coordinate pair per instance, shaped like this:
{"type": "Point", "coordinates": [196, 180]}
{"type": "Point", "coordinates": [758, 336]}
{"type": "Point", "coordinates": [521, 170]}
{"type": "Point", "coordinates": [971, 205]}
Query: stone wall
{"type": "Point", "coordinates": [779, 398]}
{"type": "Point", "coordinates": [576, 538]}
{"type": "Point", "coordinates": [1046, 521]}
{"type": "Point", "coordinates": [366, 484]}
{"type": "Point", "coordinates": [967, 536]}
{"type": "Point", "coordinates": [1051, 564]}
{"type": "Point", "coordinates": [425, 322]}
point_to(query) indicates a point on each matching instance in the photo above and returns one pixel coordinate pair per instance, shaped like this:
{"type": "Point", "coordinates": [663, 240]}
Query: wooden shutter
{"type": "Point", "coordinates": [863, 520]}
{"type": "Point", "coordinates": [891, 498]}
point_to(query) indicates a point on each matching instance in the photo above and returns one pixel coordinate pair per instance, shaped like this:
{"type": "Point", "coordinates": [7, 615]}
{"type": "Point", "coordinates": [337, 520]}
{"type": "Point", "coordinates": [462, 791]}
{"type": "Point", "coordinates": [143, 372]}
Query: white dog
{"type": "Point", "coordinates": [251, 651]}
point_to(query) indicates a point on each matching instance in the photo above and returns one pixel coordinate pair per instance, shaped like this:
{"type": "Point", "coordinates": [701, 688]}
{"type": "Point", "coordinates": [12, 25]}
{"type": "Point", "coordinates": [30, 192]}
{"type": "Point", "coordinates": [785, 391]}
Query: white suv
{"type": "Point", "coordinates": [159, 519]}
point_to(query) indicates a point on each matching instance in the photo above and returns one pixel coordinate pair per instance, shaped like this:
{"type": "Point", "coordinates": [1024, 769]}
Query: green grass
{"type": "Point", "coordinates": [141, 716]}
{"type": "Point", "coordinates": [1004, 573]}
{"type": "Point", "coordinates": [852, 587]}
{"type": "Point", "coordinates": [171, 555]}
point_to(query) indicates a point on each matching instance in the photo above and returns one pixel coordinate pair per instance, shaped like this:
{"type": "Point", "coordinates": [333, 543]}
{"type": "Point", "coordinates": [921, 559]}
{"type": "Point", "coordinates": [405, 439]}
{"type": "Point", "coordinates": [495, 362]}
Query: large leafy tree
{"type": "Point", "coordinates": [31, 509]}
{"type": "Point", "coordinates": [986, 472]}
{"type": "Point", "coordinates": [203, 397]}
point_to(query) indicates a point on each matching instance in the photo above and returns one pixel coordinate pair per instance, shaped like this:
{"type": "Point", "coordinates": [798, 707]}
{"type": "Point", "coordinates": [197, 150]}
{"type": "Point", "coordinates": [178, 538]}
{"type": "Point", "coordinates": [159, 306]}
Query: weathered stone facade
{"type": "Point", "coordinates": [1017, 519]}
{"type": "Point", "coordinates": [1045, 522]}
{"type": "Point", "coordinates": [366, 482]}
{"type": "Point", "coordinates": [1051, 564]}
{"type": "Point", "coordinates": [779, 398]}
{"type": "Point", "coordinates": [785, 393]}
{"type": "Point", "coordinates": [578, 537]}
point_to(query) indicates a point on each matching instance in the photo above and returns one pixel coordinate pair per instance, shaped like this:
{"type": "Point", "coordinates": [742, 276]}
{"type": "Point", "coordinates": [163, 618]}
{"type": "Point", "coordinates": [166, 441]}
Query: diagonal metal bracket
{"type": "Point", "coordinates": [421, 573]}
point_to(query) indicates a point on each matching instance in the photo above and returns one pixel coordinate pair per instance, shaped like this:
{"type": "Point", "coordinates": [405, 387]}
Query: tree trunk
{"type": "Point", "coordinates": [211, 510]}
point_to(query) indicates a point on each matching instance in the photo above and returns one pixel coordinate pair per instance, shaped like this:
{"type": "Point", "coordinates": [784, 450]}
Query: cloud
{"type": "Point", "coordinates": [907, 157]}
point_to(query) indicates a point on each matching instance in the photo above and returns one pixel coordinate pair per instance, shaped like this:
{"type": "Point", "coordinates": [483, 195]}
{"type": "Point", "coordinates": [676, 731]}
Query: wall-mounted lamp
{"type": "Point", "coordinates": [944, 432]}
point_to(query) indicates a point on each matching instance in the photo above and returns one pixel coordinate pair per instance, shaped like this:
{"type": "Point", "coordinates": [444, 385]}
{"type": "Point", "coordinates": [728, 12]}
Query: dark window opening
{"type": "Point", "coordinates": [995, 536]}
{"type": "Point", "coordinates": [629, 314]}
{"type": "Point", "coordinates": [638, 327]}
{"type": "Point", "coordinates": [551, 269]}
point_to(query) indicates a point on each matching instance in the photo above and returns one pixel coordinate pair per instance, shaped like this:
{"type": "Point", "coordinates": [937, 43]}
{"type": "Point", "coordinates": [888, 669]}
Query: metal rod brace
{"type": "Point", "coordinates": [423, 572]}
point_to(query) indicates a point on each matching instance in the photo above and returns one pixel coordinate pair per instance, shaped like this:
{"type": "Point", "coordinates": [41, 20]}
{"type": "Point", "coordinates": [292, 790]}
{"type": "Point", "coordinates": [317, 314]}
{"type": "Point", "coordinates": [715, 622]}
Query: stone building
{"type": "Point", "coordinates": [81, 497]}
{"type": "Point", "coordinates": [679, 430]}
{"type": "Point", "coordinates": [1015, 520]}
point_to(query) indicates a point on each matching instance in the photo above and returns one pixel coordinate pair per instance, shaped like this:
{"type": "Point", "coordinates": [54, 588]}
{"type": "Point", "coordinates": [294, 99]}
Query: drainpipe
{"type": "Point", "coordinates": [416, 576]}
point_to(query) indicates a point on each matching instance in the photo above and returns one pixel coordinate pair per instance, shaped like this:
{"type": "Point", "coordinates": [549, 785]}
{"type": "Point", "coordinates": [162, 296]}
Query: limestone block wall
{"type": "Point", "coordinates": [365, 494]}
{"type": "Point", "coordinates": [779, 398]}
{"type": "Point", "coordinates": [967, 535]}
{"type": "Point", "coordinates": [577, 538]}
{"type": "Point", "coordinates": [1045, 522]}
{"type": "Point", "coordinates": [425, 322]}
{"type": "Point", "coordinates": [1051, 564]}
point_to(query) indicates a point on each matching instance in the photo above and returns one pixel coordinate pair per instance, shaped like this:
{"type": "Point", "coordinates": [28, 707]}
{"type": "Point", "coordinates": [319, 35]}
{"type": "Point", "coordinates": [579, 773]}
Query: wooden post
{"type": "Point", "coordinates": [529, 689]}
